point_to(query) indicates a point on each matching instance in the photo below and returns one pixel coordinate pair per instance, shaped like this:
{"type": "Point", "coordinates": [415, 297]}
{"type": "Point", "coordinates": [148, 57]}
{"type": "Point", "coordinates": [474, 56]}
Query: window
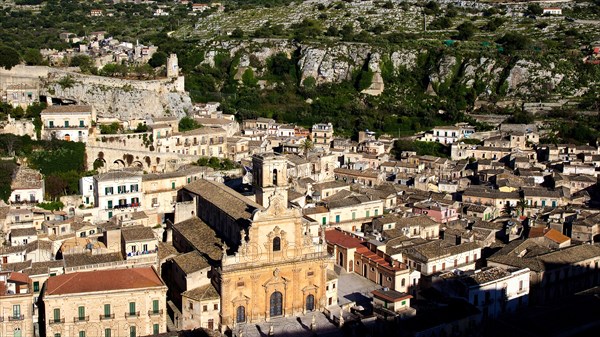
{"type": "Point", "coordinates": [81, 333]}
{"type": "Point", "coordinates": [56, 315]}
{"type": "Point", "coordinates": [155, 328]}
{"type": "Point", "coordinates": [133, 188]}
{"type": "Point", "coordinates": [36, 286]}
{"type": "Point", "coordinates": [337, 218]}
{"type": "Point", "coordinates": [155, 306]}
{"type": "Point", "coordinates": [107, 310]}
{"type": "Point", "coordinates": [56, 335]}
{"type": "Point", "coordinates": [172, 185]}
{"type": "Point", "coordinates": [324, 220]}
{"type": "Point", "coordinates": [132, 332]}
{"type": "Point", "coordinates": [132, 308]}
{"type": "Point", "coordinates": [121, 189]}
{"type": "Point", "coordinates": [107, 333]}
{"type": "Point", "coordinates": [240, 316]}
{"type": "Point", "coordinates": [17, 311]}
{"type": "Point", "coordinates": [81, 313]}
{"type": "Point", "coordinates": [376, 212]}
{"type": "Point", "coordinates": [51, 125]}
{"type": "Point", "coordinates": [353, 215]}
{"type": "Point", "coordinates": [368, 213]}
{"type": "Point", "coordinates": [204, 308]}
{"type": "Point", "coordinates": [216, 306]}
{"type": "Point", "coordinates": [66, 124]}
{"type": "Point", "coordinates": [81, 123]}
{"type": "Point", "coordinates": [521, 285]}
{"type": "Point", "coordinates": [276, 244]}
{"type": "Point", "coordinates": [110, 204]}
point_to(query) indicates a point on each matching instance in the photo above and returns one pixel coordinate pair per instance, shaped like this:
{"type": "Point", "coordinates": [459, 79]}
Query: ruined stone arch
{"type": "Point", "coordinates": [118, 164]}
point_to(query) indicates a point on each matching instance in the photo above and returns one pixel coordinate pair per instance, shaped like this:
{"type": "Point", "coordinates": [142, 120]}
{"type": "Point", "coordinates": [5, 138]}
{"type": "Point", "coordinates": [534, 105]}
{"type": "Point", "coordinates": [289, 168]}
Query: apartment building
{"type": "Point", "coordinates": [16, 305]}
{"type": "Point", "coordinates": [322, 135]}
{"type": "Point", "coordinates": [117, 192]}
{"type": "Point", "coordinates": [68, 122]}
{"type": "Point", "coordinates": [122, 302]}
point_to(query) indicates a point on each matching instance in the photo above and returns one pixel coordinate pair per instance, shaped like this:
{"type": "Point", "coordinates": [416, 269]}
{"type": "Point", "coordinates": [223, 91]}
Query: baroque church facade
{"type": "Point", "coordinates": [272, 265]}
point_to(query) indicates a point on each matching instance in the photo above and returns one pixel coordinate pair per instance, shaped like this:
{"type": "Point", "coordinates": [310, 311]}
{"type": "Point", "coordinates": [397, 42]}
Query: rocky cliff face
{"type": "Point", "coordinates": [337, 62]}
{"type": "Point", "coordinates": [123, 99]}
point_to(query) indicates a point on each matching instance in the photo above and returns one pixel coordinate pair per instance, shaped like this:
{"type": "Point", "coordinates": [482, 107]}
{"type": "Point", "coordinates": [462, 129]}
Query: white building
{"type": "Point", "coordinates": [552, 11]}
{"type": "Point", "coordinates": [117, 192]}
{"type": "Point", "coordinates": [86, 187]}
{"type": "Point", "coordinates": [448, 134]}
{"type": "Point", "coordinates": [493, 290]}
{"type": "Point", "coordinates": [27, 186]}
{"type": "Point", "coordinates": [67, 122]}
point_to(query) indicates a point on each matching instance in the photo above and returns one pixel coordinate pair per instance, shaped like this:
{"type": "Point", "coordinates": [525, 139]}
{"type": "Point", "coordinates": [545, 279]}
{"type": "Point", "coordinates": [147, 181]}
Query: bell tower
{"type": "Point", "coordinates": [269, 173]}
{"type": "Point", "coordinates": [172, 66]}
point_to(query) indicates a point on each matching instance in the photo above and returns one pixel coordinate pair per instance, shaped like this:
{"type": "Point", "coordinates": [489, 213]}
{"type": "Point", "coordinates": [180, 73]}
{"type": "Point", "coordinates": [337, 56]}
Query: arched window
{"type": "Point", "coordinates": [310, 303]}
{"type": "Point", "coordinates": [276, 304]}
{"type": "Point", "coordinates": [275, 177]}
{"type": "Point", "coordinates": [240, 315]}
{"type": "Point", "coordinates": [403, 282]}
{"type": "Point", "coordinates": [276, 244]}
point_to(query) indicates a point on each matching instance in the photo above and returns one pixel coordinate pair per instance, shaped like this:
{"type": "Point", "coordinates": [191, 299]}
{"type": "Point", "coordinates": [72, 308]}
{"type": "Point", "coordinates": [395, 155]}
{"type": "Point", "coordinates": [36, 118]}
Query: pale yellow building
{"type": "Point", "coordinates": [121, 302]}
{"type": "Point", "coordinates": [16, 305]}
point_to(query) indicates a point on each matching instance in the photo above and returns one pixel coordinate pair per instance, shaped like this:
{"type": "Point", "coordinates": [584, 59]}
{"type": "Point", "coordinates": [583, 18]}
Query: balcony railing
{"type": "Point", "coordinates": [16, 318]}
{"type": "Point", "coordinates": [67, 127]}
{"type": "Point", "coordinates": [143, 252]}
{"type": "Point", "coordinates": [120, 206]}
{"type": "Point", "coordinates": [24, 202]}
{"type": "Point", "coordinates": [57, 321]}
{"type": "Point", "coordinates": [81, 319]}
{"type": "Point", "coordinates": [155, 312]}
{"type": "Point", "coordinates": [106, 317]}
{"type": "Point", "coordinates": [132, 314]}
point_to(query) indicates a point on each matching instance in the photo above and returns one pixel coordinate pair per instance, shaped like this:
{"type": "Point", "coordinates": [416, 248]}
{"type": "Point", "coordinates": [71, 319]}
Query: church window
{"type": "Point", "coordinates": [276, 244]}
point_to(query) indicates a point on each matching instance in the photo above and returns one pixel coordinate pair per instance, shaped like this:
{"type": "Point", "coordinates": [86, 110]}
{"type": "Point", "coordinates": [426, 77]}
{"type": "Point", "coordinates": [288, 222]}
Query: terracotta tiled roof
{"type": "Point", "coordinates": [341, 239]}
{"type": "Point", "coordinates": [191, 262]}
{"type": "Point", "coordinates": [26, 178]}
{"type": "Point", "coordinates": [201, 236]}
{"type": "Point", "coordinates": [137, 233]}
{"type": "Point", "coordinates": [203, 293]}
{"type": "Point", "coordinates": [68, 109]}
{"type": "Point", "coordinates": [19, 278]}
{"type": "Point", "coordinates": [390, 295]}
{"type": "Point", "coordinates": [104, 280]}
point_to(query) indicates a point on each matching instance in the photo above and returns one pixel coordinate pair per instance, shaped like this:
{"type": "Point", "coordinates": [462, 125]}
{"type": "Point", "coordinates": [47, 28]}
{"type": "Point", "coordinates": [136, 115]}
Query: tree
{"type": "Point", "coordinates": [33, 57]}
{"type": "Point", "coordinates": [55, 186]}
{"type": "Point", "coordinates": [534, 9]}
{"type": "Point", "coordinates": [158, 59]}
{"type": "Point", "coordinates": [513, 41]}
{"type": "Point", "coordinates": [237, 33]}
{"type": "Point", "coordinates": [248, 78]}
{"type": "Point", "coordinates": [9, 57]}
{"type": "Point", "coordinates": [188, 123]}
{"type": "Point", "coordinates": [84, 62]}
{"type": "Point", "coordinates": [466, 30]}
{"type": "Point", "coordinates": [306, 146]}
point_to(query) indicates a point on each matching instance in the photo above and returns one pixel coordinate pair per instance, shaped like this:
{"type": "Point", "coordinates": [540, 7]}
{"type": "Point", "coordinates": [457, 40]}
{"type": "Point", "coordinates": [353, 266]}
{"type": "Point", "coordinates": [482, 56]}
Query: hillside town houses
{"type": "Point", "coordinates": [503, 223]}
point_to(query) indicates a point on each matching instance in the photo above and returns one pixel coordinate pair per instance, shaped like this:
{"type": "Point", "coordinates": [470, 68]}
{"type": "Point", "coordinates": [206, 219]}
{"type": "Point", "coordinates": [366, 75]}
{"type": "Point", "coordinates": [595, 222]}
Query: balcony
{"type": "Point", "coordinates": [145, 252]}
{"type": "Point", "coordinates": [56, 321]}
{"type": "Point", "coordinates": [122, 206]}
{"type": "Point", "coordinates": [81, 319]}
{"type": "Point", "coordinates": [67, 127]}
{"type": "Point", "coordinates": [132, 314]}
{"type": "Point", "coordinates": [16, 318]}
{"type": "Point", "coordinates": [107, 317]}
{"type": "Point", "coordinates": [24, 202]}
{"type": "Point", "coordinates": [155, 312]}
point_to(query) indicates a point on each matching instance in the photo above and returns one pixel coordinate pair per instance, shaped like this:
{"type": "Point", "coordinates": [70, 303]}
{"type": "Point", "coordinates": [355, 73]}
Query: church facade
{"type": "Point", "coordinates": [272, 266]}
